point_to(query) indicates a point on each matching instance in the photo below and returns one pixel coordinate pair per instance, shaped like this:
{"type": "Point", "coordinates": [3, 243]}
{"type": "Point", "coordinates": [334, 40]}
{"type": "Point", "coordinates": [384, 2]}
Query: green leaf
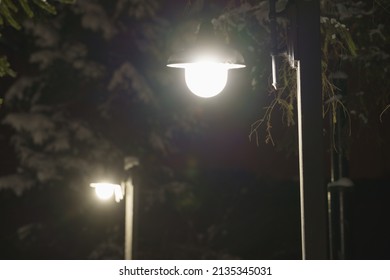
{"type": "Point", "coordinates": [5, 68]}
{"type": "Point", "coordinates": [6, 13]}
{"type": "Point", "coordinates": [46, 6]}
{"type": "Point", "coordinates": [11, 5]}
{"type": "Point", "coordinates": [26, 8]}
{"type": "Point", "coordinates": [350, 44]}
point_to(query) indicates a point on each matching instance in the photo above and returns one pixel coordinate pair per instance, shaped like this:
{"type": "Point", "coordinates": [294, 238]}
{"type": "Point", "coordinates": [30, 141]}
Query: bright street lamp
{"type": "Point", "coordinates": [304, 54]}
{"type": "Point", "coordinates": [207, 64]}
{"type": "Point", "coordinates": [105, 191]}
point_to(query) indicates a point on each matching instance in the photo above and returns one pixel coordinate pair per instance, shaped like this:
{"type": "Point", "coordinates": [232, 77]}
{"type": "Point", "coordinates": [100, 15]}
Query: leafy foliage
{"type": "Point", "coordinates": [88, 103]}
{"type": "Point", "coordinates": [5, 68]}
{"type": "Point", "coordinates": [96, 89]}
{"type": "Point", "coordinates": [12, 14]}
{"type": "Point", "coordinates": [353, 35]}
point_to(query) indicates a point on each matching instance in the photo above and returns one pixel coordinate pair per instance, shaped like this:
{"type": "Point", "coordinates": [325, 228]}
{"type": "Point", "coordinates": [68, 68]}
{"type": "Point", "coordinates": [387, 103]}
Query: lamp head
{"type": "Point", "coordinates": [105, 190]}
{"type": "Point", "coordinates": [207, 63]}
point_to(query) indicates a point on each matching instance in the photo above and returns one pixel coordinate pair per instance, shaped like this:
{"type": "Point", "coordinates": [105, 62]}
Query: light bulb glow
{"type": "Point", "coordinates": [206, 79]}
{"type": "Point", "coordinates": [105, 191]}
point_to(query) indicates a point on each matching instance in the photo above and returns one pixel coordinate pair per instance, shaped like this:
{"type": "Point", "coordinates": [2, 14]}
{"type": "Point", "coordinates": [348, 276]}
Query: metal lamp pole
{"type": "Point", "coordinates": [304, 53]}
{"type": "Point", "coordinates": [129, 210]}
{"type": "Point", "coordinates": [128, 188]}
{"type": "Point", "coordinates": [313, 190]}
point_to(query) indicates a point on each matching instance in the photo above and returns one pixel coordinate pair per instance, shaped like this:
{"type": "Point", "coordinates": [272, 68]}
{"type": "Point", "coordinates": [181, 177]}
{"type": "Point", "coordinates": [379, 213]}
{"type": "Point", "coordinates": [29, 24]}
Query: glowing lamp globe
{"type": "Point", "coordinates": [206, 79]}
{"type": "Point", "coordinates": [206, 65]}
{"type": "Point", "coordinates": [105, 191]}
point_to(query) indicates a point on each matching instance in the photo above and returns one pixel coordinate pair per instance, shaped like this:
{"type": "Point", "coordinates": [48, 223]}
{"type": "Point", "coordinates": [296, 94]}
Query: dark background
{"type": "Point", "coordinates": [240, 200]}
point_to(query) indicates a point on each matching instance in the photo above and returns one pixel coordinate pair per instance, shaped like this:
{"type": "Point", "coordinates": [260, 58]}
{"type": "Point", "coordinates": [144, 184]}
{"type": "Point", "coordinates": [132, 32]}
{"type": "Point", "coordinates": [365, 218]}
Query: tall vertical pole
{"type": "Point", "coordinates": [129, 206]}
{"type": "Point", "coordinates": [313, 191]}
{"type": "Point", "coordinates": [339, 169]}
{"type": "Point", "coordinates": [342, 164]}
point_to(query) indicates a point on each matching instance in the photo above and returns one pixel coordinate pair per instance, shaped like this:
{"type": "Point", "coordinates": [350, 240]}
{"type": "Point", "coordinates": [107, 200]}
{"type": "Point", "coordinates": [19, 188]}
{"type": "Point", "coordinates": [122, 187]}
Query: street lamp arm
{"type": "Point", "coordinates": [130, 162]}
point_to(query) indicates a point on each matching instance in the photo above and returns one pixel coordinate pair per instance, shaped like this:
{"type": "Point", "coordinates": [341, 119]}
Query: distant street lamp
{"type": "Point", "coordinates": [105, 191]}
{"type": "Point", "coordinates": [304, 54]}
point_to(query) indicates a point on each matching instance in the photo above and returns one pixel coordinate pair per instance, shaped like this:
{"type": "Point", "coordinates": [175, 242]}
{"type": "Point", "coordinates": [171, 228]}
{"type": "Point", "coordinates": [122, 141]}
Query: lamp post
{"type": "Point", "coordinates": [314, 220]}
{"type": "Point", "coordinates": [304, 53]}
{"type": "Point", "coordinates": [125, 190]}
